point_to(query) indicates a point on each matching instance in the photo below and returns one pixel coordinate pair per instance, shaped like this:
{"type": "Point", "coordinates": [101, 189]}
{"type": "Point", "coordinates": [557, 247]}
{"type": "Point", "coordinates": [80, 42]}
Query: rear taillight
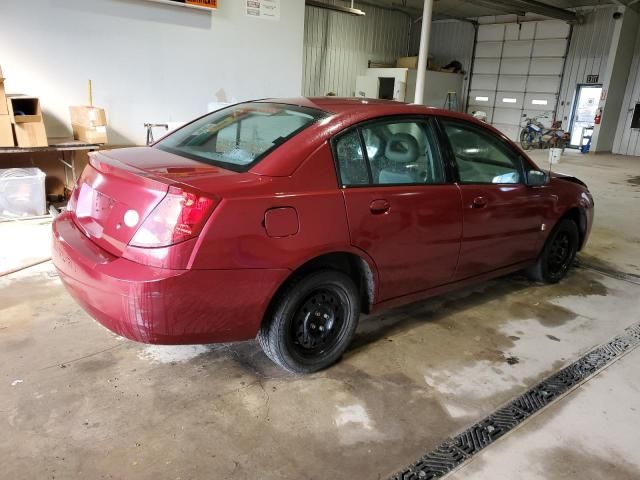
{"type": "Point", "coordinates": [178, 217]}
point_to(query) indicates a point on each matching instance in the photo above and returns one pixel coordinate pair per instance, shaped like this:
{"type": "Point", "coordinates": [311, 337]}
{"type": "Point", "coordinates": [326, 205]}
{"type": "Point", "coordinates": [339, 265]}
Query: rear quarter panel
{"type": "Point", "coordinates": [235, 235]}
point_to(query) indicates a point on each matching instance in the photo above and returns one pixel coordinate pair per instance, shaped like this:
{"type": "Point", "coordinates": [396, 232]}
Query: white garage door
{"type": "Point", "coordinates": [517, 72]}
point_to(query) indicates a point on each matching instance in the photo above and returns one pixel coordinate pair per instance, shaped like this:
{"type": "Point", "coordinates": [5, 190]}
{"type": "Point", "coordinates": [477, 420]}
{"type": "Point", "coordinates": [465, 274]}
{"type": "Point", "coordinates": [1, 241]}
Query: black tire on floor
{"type": "Point", "coordinates": [312, 322]}
{"type": "Point", "coordinates": [557, 255]}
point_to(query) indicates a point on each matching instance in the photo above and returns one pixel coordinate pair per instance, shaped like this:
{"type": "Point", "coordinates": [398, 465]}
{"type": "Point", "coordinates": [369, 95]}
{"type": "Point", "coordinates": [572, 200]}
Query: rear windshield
{"type": "Point", "coordinates": [239, 136]}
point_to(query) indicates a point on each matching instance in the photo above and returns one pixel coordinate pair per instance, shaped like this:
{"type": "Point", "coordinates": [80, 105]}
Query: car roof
{"type": "Point", "coordinates": [344, 104]}
{"type": "Point", "coordinates": [345, 112]}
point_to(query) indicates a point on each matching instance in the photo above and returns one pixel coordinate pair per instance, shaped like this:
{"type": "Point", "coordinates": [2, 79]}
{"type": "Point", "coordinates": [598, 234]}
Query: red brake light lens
{"type": "Point", "coordinates": [178, 217]}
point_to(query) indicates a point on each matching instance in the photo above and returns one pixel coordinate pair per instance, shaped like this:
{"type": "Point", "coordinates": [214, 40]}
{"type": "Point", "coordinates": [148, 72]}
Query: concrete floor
{"type": "Point", "coordinates": [78, 402]}
{"type": "Point", "coordinates": [590, 434]}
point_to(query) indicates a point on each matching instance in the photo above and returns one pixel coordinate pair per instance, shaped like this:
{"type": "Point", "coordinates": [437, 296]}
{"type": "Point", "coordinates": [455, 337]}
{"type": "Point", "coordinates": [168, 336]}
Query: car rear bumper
{"type": "Point", "coordinates": [154, 305]}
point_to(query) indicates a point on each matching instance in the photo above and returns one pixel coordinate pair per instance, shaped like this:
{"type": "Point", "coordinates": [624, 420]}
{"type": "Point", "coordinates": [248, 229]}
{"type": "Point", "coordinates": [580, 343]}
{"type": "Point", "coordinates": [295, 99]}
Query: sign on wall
{"type": "Point", "coordinates": [593, 78]}
{"type": "Point", "coordinates": [266, 9]}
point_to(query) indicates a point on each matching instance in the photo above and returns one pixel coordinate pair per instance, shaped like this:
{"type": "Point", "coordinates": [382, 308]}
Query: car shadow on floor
{"type": "Point", "coordinates": [510, 291]}
{"type": "Point", "coordinates": [396, 321]}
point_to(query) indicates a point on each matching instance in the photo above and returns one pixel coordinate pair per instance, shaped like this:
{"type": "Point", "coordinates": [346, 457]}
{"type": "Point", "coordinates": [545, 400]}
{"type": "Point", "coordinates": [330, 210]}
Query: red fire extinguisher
{"type": "Point", "coordinates": [598, 117]}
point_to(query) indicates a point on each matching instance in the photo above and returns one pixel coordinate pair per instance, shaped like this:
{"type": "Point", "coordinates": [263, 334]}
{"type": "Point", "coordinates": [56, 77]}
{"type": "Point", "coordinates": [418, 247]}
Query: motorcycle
{"type": "Point", "coordinates": [535, 135]}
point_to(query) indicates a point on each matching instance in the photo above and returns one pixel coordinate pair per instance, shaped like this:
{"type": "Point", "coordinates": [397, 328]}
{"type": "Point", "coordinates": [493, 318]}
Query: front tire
{"type": "Point", "coordinates": [525, 140]}
{"type": "Point", "coordinates": [557, 255]}
{"type": "Point", "coordinates": [312, 322]}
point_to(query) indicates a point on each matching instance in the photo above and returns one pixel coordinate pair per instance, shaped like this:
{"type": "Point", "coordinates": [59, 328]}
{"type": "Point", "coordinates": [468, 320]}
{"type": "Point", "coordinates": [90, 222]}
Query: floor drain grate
{"type": "Point", "coordinates": [455, 451]}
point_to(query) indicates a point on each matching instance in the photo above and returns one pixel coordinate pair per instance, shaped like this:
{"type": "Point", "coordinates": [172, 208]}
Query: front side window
{"type": "Point", "coordinates": [481, 157]}
{"type": "Point", "coordinates": [239, 136]}
{"type": "Point", "coordinates": [390, 153]}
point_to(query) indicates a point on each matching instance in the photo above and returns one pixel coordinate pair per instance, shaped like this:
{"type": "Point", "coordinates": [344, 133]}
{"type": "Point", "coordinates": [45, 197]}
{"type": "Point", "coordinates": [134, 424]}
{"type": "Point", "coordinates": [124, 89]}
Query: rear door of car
{"type": "Point", "coordinates": [502, 216]}
{"type": "Point", "coordinates": [402, 208]}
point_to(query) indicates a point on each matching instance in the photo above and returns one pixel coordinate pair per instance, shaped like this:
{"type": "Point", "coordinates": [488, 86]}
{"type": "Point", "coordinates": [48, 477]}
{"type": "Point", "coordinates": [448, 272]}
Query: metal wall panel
{"type": "Point", "coordinates": [627, 139]}
{"type": "Point", "coordinates": [338, 47]}
{"type": "Point", "coordinates": [587, 55]}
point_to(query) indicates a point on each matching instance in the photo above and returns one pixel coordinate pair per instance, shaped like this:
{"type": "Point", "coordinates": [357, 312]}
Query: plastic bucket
{"type": "Point", "coordinates": [554, 155]}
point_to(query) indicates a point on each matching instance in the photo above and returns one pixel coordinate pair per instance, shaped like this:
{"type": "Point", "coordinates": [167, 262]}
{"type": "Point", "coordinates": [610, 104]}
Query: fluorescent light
{"type": "Point", "coordinates": [482, 99]}
{"type": "Point", "coordinates": [539, 102]}
{"type": "Point", "coordinates": [509, 100]}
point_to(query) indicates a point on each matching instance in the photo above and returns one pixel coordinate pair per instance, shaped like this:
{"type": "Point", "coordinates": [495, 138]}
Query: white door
{"type": "Point", "coordinates": [585, 108]}
{"type": "Point", "coordinates": [517, 72]}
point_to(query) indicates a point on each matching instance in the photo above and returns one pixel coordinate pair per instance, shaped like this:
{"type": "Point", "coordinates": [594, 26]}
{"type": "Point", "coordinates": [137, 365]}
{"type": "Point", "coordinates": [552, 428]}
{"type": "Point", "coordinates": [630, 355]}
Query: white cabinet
{"type": "Point", "coordinates": [400, 84]}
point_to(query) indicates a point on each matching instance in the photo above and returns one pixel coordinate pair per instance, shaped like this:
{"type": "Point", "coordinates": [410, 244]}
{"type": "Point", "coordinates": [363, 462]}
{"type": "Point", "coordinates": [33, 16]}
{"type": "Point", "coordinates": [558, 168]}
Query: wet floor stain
{"type": "Point", "coordinates": [413, 375]}
{"type": "Point", "coordinates": [28, 290]}
{"type": "Point", "coordinates": [583, 462]}
{"type": "Point", "coordinates": [634, 181]}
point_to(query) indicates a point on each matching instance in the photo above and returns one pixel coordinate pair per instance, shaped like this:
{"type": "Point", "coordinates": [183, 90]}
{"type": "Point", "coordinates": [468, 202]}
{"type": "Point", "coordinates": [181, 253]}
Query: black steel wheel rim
{"type": "Point", "coordinates": [319, 322]}
{"type": "Point", "coordinates": [559, 255]}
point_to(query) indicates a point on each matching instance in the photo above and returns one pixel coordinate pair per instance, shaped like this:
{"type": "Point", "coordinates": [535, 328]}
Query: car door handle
{"type": "Point", "coordinates": [380, 206]}
{"type": "Point", "coordinates": [479, 202]}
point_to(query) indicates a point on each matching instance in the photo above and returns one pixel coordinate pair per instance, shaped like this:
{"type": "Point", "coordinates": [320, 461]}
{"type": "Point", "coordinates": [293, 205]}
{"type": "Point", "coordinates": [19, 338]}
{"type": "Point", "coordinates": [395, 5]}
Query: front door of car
{"type": "Point", "coordinates": [502, 216]}
{"type": "Point", "coordinates": [400, 208]}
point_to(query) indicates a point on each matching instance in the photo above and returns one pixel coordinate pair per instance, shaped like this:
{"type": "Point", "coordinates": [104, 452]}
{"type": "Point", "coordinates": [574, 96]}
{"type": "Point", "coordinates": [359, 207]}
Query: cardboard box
{"type": "Point", "coordinates": [407, 62]}
{"type": "Point", "coordinates": [89, 124]}
{"type": "Point", "coordinates": [96, 134]}
{"type": "Point", "coordinates": [88, 116]}
{"type": "Point", "coordinates": [3, 99]}
{"type": "Point", "coordinates": [3, 96]}
{"type": "Point", "coordinates": [26, 116]}
{"type": "Point", "coordinates": [412, 62]}
{"type": "Point", "coordinates": [6, 132]}
{"type": "Point", "coordinates": [24, 109]}
{"type": "Point", "coordinates": [30, 134]}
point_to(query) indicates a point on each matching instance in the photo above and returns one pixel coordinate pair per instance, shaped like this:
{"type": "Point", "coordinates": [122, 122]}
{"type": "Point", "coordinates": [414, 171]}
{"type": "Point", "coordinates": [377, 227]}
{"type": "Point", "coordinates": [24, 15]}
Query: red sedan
{"type": "Point", "coordinates": [285, 219]}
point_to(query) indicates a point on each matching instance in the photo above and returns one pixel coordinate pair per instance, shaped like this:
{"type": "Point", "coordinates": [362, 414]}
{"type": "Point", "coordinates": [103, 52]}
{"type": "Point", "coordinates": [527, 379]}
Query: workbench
{"type": "Point", "coordinates": [64, 147]}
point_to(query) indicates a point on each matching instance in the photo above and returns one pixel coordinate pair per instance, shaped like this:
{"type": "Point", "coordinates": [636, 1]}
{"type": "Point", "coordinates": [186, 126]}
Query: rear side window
{"type": "Point", "coordinates": [390, 153]}
{"type": "Point", "coordinates": [481, 157]}
{"type": "Point", "coordinates": [239, 136]}
{"type": "Point", "coordinates": [351, 161]}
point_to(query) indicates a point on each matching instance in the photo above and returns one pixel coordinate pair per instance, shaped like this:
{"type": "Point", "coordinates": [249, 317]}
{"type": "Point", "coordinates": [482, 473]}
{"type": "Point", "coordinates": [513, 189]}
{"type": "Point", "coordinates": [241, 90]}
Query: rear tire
{"type": "Point", "coordinates": [557, 255]}
{"type": "Point", "coordinates": [312, 322]}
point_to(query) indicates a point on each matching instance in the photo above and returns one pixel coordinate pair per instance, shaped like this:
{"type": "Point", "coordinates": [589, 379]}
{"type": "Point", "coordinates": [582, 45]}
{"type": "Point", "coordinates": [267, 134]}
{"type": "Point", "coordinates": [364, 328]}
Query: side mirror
{"type": "Point", "coordinates": [536, 178]}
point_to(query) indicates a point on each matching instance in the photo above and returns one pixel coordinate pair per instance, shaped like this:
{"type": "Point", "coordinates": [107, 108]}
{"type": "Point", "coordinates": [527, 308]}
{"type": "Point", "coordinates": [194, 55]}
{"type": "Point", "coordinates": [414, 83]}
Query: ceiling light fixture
{"type": "Point", "coordinates": [336, 8]}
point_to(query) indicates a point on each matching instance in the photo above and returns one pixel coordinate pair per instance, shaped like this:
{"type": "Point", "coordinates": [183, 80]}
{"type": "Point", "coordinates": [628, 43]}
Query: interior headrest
{"type": "Point", "coordinates": [402, 148]}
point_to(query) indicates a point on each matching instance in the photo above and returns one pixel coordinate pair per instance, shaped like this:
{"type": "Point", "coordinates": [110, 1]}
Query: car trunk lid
{"type": "Point", "coordinates": [119, 189]}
